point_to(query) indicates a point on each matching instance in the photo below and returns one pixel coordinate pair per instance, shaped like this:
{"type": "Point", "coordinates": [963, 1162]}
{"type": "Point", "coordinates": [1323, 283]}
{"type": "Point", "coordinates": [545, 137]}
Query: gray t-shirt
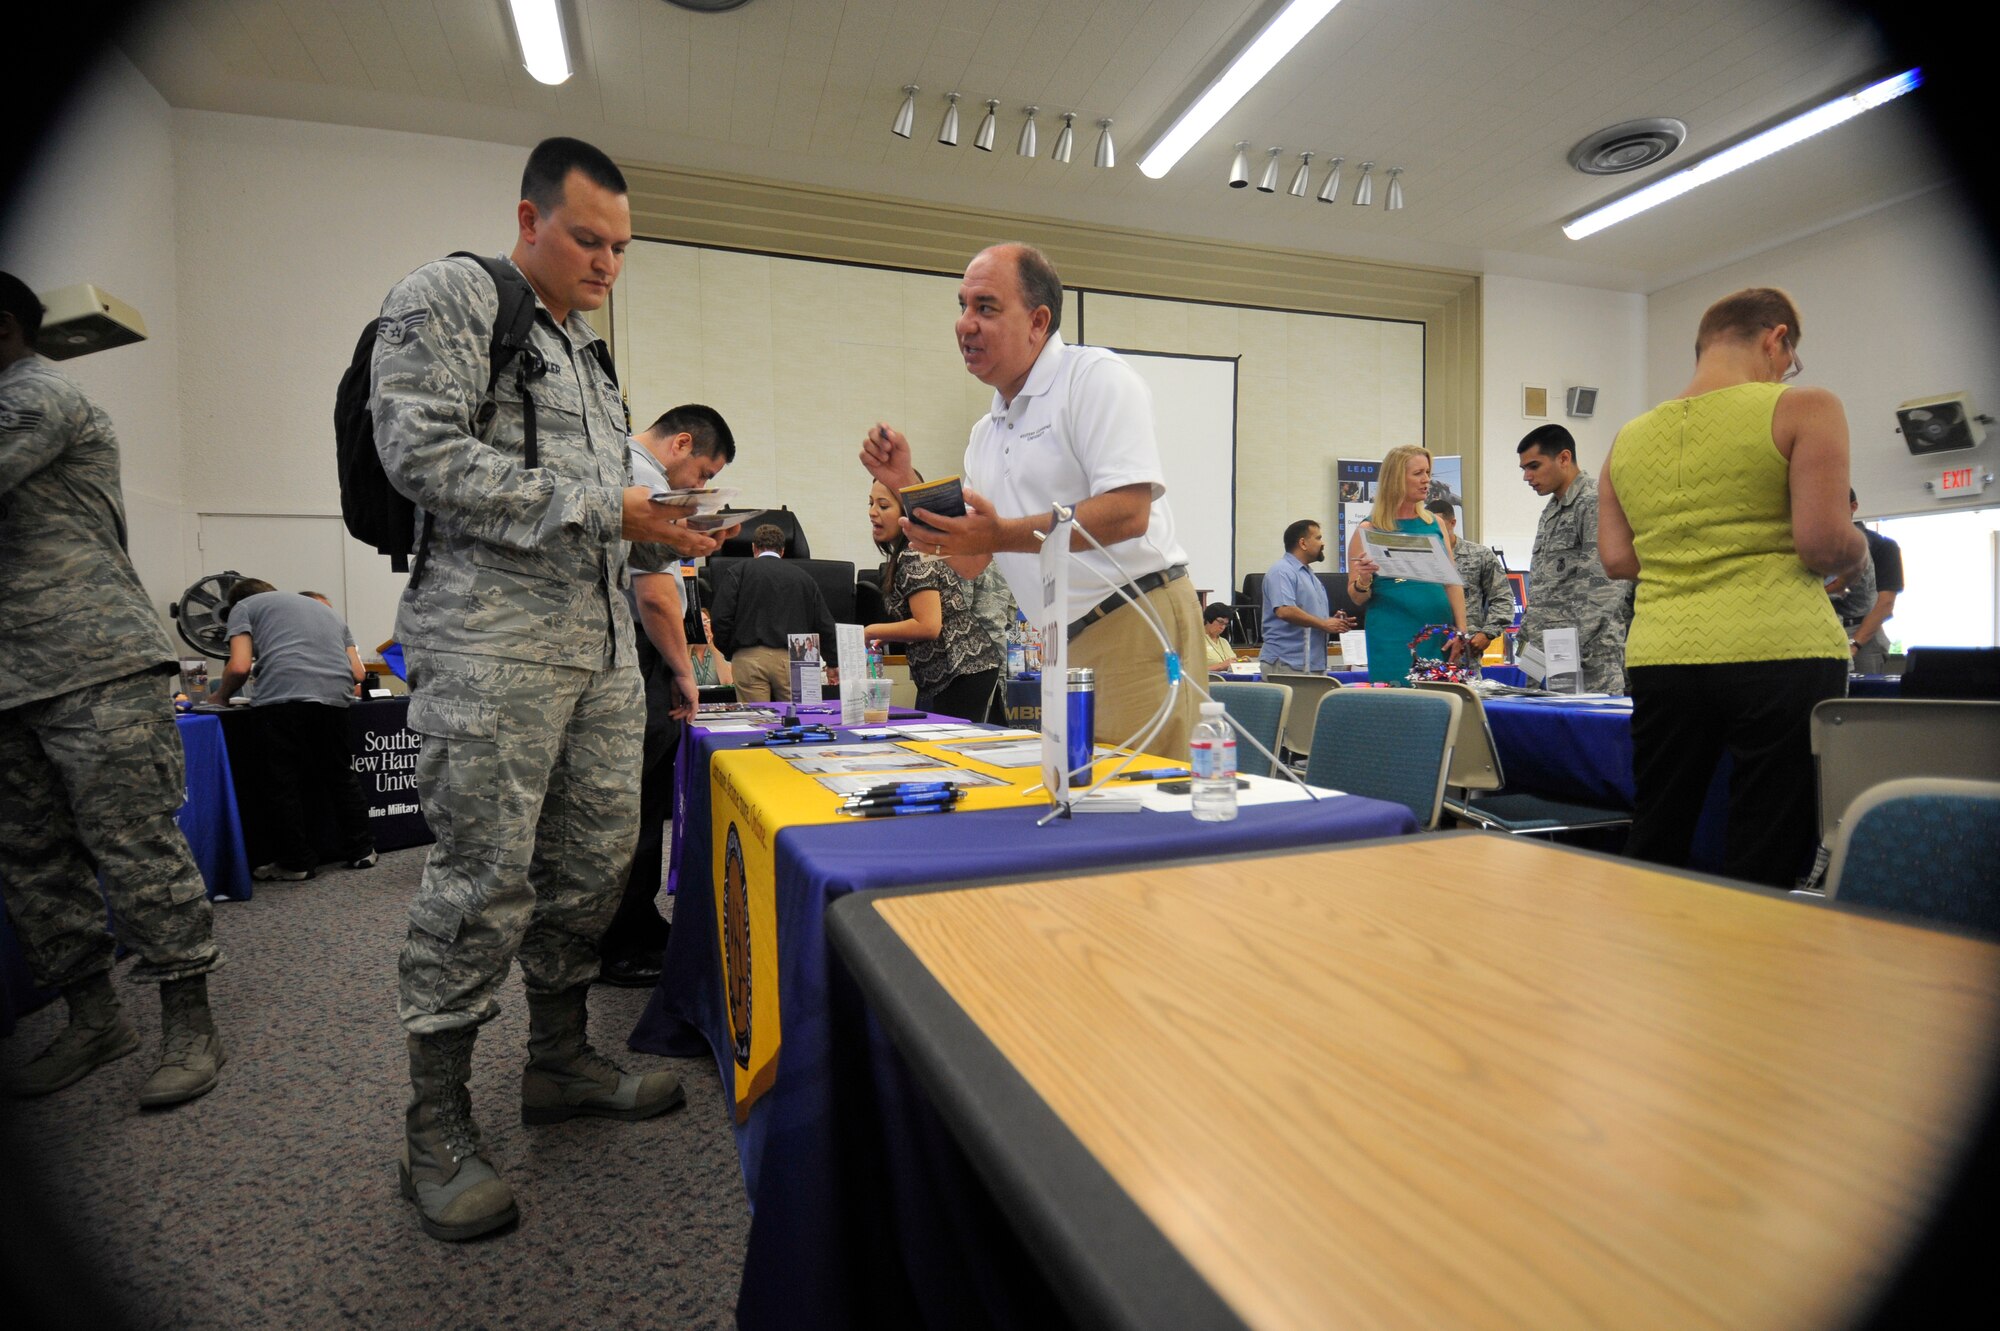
{"type": "Point", "coordinates": [300, 648]}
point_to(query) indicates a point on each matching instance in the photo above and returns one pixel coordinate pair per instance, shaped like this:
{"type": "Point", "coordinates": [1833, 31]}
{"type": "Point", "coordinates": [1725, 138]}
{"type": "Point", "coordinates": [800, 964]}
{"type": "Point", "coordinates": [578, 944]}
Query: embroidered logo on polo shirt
{"type": "Point", "coordinates": [1036, 433]}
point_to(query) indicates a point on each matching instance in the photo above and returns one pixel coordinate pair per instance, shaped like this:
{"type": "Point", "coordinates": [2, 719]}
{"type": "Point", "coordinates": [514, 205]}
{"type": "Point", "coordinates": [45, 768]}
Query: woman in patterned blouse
{"type": "Point", "coordinates": [954, 661]}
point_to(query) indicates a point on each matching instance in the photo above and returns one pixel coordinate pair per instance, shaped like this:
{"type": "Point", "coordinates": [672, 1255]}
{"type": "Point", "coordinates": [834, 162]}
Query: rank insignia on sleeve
{"type": "Point", "coordinates": [396, 328]}
{"type": "Point", "coordinates": [18, 422]}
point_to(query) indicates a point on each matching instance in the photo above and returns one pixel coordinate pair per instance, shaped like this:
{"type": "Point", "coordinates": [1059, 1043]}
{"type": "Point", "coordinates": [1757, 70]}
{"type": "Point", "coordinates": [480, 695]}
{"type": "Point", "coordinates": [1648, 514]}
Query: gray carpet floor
{"type": "Point", "coordinates": [272, 1202]}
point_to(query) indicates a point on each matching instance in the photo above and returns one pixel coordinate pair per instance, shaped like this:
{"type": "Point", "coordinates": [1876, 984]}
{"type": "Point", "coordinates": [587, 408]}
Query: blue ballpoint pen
{"type": "Point", "coordinates": [898, 810]}
{"type": "Point", "coordinates": [887, 801]}
{"type": "Point", "coordinates": [904, 788]}
{"type": "Point", "coordinates": [1155, 773]}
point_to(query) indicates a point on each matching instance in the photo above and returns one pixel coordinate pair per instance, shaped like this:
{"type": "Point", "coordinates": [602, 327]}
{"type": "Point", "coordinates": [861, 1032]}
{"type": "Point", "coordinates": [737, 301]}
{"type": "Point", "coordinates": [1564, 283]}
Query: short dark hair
{"type": "Point", "coordinates": [711, 432]}
{"type": "Point", "coordinates": [17, 299]}
{"type": "Point", "coordinates": [551, 162]}
{"type": "Point", "coordinates": [1215, 610]}
{"type": "Point", "coordinates": [1551, 439]}
{"type": "Point", "coordinates": [1040, 284]}
{"type": "Point", "coordinates": [768, 536]}
{"type": "Point", "coordinates": [1444, 508]}
{"type": "Point", "coordinates": [243, 589]}
{"type": "Point", "coordinates": [1743, 315]}
{"type": "Point", "coordinates": [1297, 531]}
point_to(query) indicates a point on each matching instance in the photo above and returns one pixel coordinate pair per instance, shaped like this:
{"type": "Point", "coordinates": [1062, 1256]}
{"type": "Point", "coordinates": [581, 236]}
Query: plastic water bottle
{"type": "Point", "coordinates": [1213, 754]}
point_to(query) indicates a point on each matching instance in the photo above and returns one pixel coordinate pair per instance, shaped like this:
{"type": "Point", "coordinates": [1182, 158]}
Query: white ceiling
{"type": "Point", "coordinates": [1479, 101]}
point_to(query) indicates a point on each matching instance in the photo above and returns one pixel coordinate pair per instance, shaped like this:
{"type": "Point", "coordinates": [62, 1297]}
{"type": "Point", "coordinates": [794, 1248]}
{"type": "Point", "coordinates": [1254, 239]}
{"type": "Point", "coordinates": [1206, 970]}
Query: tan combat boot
{"type": "Point", "coordinates": [566, 1077]}
{"type": "Point", "coordinates": [191, 1055]}
{"type": "Point", "coordinates": [96, 1034]}
{"type": "Point", "coordinates": [458, 1194]}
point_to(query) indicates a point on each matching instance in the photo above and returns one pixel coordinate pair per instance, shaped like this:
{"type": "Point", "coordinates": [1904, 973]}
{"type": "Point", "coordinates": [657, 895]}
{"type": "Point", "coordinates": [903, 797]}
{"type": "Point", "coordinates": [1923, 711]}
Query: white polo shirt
{"type": "Point", "coordinates": [1081, 425]}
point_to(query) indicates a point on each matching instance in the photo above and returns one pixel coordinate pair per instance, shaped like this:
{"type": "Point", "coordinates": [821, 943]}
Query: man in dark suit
{"type": "Point", "coordinates": [768, 602]}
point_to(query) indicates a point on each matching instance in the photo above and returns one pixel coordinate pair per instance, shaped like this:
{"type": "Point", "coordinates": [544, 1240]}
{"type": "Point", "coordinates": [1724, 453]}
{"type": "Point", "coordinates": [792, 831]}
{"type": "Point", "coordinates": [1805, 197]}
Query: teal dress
{"type": "Point", "coordinates": [1399, 611]}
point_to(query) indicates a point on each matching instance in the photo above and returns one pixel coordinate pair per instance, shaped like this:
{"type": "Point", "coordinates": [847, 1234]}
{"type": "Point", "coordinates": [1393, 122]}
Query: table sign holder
{"type": "Point", "coordinates": [806, 670]}
{"type": "Point", "coordinates": [1052, 616]}
{"type": "Point", "coordinates": [851, 657]}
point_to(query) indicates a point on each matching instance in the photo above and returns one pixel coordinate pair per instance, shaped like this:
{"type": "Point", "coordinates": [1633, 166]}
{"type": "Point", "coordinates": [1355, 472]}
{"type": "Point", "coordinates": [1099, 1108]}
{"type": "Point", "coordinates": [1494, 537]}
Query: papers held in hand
{"type": "Point", "coordinates": [945, 497]}
{"type": "Point", "coordinates": [1413, 557]}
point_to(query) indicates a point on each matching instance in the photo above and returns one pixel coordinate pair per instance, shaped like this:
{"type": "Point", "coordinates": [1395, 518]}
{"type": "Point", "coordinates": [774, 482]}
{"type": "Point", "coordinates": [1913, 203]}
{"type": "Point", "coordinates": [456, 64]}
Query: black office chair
{"type": "Point", "coordinates": [1952, 672]}
{"type": "Point", "coordinates": [1246, 628]}
{"type": "Point", "coordinates": [870, 606]}
{"type": "Point", "coordinates": [796, 545]}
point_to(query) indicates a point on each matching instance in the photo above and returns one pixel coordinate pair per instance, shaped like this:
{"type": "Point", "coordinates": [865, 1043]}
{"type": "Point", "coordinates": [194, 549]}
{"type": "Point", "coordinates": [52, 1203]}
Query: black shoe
{"type": "Point", "coordinates": [364, 861]}
{"type": "Point", "coordinates": [628, 973]}
{"type": "Point", "coordinates": [278, 873]}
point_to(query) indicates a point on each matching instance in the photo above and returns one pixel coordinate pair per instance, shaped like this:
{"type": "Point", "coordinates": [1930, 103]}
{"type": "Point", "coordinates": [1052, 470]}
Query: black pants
{"type": "Point", "coordinates": [1684, 717]}
{"type": "Point", "coordinates": [637, 933]}
{"type": "Point", "coordinates": [963, 696]}
{"type": "Point", "coordinates": [306, 755]}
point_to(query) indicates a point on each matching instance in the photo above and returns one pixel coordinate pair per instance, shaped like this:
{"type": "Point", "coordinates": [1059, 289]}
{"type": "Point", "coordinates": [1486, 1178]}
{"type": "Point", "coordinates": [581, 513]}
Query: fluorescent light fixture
{"type": "Point", "coordinates": [1753, 149]}
{"type": "Point", "coordinates": [543, 51]}
{"type": "Point", "coordinates": [1266, 49]}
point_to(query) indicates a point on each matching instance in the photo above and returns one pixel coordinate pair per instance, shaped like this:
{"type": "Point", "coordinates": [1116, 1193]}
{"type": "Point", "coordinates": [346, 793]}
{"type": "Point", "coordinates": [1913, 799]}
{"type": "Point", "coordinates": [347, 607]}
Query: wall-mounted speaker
{"type": "Point", "coordinates": [1945, 424]}
{"type": "Point", "coordinates": [1581, 402]}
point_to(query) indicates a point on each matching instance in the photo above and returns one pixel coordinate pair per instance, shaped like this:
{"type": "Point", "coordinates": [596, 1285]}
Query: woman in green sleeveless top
{"type": "Point", "coordinates": [1399, 609]}
{"type": "Point", "coordinates": [1728, 504]}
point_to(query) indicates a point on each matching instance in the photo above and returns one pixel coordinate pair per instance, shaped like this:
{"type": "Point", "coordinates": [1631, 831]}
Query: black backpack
{"type": "Point", "coordinates": [374, 510]}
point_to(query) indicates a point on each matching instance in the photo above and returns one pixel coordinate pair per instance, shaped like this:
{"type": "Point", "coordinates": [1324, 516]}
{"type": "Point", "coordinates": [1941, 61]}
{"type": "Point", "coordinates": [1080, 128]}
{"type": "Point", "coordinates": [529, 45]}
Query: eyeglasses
{"type": "Point", "coordinates": [1797, 366]}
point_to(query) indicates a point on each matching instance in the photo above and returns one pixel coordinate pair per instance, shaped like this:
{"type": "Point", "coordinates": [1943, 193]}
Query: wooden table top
{"type": "Point", "coordinates": [1482, 1081]}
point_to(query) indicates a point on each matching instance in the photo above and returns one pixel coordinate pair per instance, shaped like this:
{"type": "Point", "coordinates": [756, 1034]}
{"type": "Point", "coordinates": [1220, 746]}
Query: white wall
{"type": "Point", "coordinates": [100, 208]}
{"type": "Point", "coordinates": [1556, 337]}
{"type": "Point", "coordinates": [1896, 305]}
{"type": "Point", "coordinates": [290, 234]}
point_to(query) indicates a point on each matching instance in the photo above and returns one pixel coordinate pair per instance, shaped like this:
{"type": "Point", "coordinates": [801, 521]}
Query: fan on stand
{"type": "Point", "coordinates": [201, 615]}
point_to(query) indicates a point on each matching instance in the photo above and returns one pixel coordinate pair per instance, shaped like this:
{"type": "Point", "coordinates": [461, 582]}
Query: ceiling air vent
{"type": "Point", "coordinates": [1627, 147]}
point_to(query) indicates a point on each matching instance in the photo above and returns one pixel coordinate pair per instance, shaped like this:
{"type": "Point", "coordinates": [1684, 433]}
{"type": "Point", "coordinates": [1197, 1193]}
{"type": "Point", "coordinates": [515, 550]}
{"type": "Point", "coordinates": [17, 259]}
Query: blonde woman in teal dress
{"type": "Point", "coordinates": [1399, 609]}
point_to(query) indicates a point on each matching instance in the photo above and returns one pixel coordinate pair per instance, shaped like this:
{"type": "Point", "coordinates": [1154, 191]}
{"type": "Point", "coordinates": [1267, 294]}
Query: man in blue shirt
{"type": "Point", "coordinates": [1295, 604]}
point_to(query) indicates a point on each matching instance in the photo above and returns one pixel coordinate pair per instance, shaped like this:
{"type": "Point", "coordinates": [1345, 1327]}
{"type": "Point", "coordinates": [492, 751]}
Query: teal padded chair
{"type": "Point", "coordinates": [1923, 846]}
{"type": "Point", "coordinates": [1260, 709]}
{"type": "Point", "coordinates": [1387, 744]}
{"type": "Point", "coordinates": [1476, 782]}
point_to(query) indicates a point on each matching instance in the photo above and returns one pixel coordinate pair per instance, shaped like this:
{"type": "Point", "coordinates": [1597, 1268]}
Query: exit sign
{"type": "Point", "coordinates": [1960, 482]}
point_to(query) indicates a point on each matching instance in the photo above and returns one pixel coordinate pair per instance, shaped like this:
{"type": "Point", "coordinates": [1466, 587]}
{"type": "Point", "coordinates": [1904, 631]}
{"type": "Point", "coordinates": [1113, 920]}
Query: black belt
{"type": "Point", "coordinates": [1139, 587]}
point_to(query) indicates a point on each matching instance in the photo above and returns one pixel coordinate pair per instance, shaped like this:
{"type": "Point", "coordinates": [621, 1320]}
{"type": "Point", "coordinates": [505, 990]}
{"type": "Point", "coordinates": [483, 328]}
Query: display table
{"type": "Point", "coordinates": [208, 819]}
{"type": "Point", "coordinates": [1499, 674]}
{"type": "Point", "coordinates": [385, 756]}
{"type": "Point", "coordinates": [797, 1138]}
{"type": "Point", "coordinates": [1565, 1091]}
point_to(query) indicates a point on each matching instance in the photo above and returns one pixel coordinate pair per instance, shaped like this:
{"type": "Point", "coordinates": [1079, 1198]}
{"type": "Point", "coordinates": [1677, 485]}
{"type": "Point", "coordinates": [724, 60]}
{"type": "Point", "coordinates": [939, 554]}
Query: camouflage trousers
{"type": "Point", "coordinates": [89, 783]}
{"type": "Point", "coordinates": [529, 776]}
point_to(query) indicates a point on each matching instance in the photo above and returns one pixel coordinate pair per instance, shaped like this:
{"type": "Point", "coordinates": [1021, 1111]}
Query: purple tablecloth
{"type": "Point", "coordinates": [806, 1260]}
{"type": "Point", "coordinates": [1500, 674]}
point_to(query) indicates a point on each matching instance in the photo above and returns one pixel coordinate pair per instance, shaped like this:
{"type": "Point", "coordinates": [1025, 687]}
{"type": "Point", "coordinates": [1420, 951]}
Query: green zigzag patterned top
{"type": "Point", "coordinates": [1708, 497]}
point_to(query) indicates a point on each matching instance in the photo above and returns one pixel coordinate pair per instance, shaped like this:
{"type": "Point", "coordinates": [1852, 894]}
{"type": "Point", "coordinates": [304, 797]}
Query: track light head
{"type": "Point", "coordinates": [1065, 140]}
{"type": "Point", "coordinates": [1394, 203]}
{"type": "Point", "coordinates": [1269, 184]}
{"type": "Point", "coordinates": [948, 131]}
{"type": "Point", "coordinates": [1026, 147]}
{"type": "Point", "coordinates": [906, 117]}
{"type": "Point", "coordinates": [1299, 177]}
{"type": "Point", "coordinates": [1107, 152]}
{"type": "Point", "coordinates": [1364, 193]}
{"type": "Point", "coordinates": [1330, 191]}
{"type": "Point", "coordinates": [1239, 170]}
{"type": "Point", "coordinates": [983, 140]}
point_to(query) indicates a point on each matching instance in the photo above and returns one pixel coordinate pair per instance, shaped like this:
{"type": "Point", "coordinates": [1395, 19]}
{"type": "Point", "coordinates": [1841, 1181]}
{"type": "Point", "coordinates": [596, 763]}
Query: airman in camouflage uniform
{"type": "Point", "coordinates": [1489, 597]}
{"type": "Point", "coordinates": [1570, 586]}
{"type": "Point", "coordinates": [523, 679]}
{"type": "Point", "coordinates": [91, 768]}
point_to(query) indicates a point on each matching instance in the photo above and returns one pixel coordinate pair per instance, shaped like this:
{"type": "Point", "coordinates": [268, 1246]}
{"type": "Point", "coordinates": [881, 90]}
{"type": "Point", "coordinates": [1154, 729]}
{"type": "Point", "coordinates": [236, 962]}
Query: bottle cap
{"type": "Point", "coordinates": [1212, 709]}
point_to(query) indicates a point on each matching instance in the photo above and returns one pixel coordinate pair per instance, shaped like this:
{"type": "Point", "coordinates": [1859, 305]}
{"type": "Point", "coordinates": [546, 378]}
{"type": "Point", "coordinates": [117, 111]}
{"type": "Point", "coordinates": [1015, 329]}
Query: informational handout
{"type": "Point", "coordinates": [957, 776]}
{"type": "Point", "coordinates": [1354, 649]}
{"type": "Point", "coordinates": [840, 758]}
{"type": "Point", "coordinates": [808, 675]}
{"type": "Point", "coordinates": [1412, 557]}
{"type": "Point", "coordinates": [1053, 616]}
{"type": "Point", "coordinates": [851, 655]}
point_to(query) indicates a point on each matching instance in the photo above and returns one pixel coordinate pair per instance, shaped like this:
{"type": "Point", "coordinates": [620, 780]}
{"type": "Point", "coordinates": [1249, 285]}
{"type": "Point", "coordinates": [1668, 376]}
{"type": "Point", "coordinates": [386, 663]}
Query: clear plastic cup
{"type": "Point", "coordinates": [875, 701]}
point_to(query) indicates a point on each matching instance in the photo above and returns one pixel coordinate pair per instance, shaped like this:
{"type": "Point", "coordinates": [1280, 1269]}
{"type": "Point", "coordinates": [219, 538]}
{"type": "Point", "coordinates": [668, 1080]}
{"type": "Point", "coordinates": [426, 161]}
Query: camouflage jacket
{"type": "Point", "coordinates": [72, 611]}
{"type": "Point", "coordinates": [1570, 586]}
{"type": "Point", "coordinates": [524, 564]}
{"type": "Point", "coordinates": [992, 603]}
{"type": "Point", "coordinates": [1489, 597]}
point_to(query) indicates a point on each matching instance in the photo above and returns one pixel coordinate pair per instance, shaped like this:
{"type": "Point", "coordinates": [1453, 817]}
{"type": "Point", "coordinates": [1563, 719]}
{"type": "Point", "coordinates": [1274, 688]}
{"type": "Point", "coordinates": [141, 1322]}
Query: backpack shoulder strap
{"type": "Point", "coordinates": [513, 326]}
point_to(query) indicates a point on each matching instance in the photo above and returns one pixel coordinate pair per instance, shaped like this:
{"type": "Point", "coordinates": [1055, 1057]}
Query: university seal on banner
{"type": "Point", "coordinates": [736, 947]}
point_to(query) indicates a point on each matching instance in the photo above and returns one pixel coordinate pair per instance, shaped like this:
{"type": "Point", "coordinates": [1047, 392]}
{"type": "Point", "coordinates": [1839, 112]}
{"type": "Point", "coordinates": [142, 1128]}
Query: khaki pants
{"type": "Point", "coordinates": [762, 674]}
{"type": "Point", "coordinates": [1132, 673]}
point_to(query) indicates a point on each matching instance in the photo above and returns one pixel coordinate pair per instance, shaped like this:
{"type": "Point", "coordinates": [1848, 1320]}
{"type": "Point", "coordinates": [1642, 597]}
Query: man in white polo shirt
{"type": "Point", "coordinates": [1069, 425]}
